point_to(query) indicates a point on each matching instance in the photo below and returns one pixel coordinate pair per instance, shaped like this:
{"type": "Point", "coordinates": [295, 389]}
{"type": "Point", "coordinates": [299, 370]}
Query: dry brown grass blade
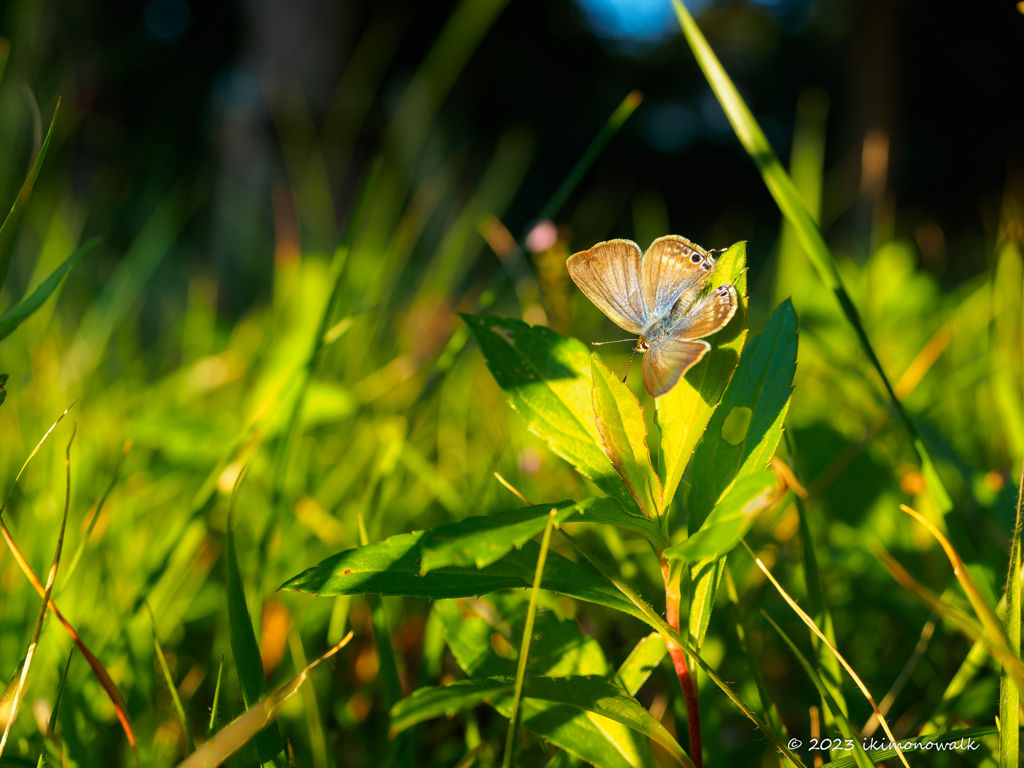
{"type": "Point", "coordinates": [97, 666]}
{"type": "Point", "coordinates": [993, 628]}
{"type": "Point", "coordinates": [925, 360]}
{"type": "Point", "coordinates": [50, 579]}
{"type": "Point", "coordinates": [512, 488]}
{"type": "Point", "coordinates": [821, 635]}
{"type": "Point", "coordinates": [964, 623]}
{"type": "Point", "coordinates": [236, 734]}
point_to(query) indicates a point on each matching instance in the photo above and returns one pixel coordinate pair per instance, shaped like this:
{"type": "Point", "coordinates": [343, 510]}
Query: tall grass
{"type": "Point", "coordinates": [358, 408]}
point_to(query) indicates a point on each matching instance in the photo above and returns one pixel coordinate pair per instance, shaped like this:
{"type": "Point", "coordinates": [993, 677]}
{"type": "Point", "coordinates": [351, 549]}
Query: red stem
{"type": "Point", "coordinates": [686, 681]}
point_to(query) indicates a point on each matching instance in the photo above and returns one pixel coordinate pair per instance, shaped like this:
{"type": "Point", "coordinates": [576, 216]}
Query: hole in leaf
{"type": "Point", "coordinates": [736, 424]}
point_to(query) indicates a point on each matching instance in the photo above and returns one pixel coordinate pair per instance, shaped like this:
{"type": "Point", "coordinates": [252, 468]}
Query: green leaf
{"type": "Point", "coordinates": [21, 311]}
{"type": "Point", "coordinates": [246, 651]}
{"type": "Point", "coordinates": [683, 413]}
{"type": "Point", "coordinates": [480, 541]}
{"type": "Point", "coordinates": [476, 628]}
{"type": "Point", "coordinates": [548, 379]}
{"type": "Point", "coordinates": [859, 755]}
{"type": "Point", "coordinates": [738, 442]}
{"type": "Point", "coordinates": [391, 568]}
{"type": "Point", "coordinates": [12, 224]}
{"type": "Point", "coordinates": [659, 623]}
{"type": "Point", "coordinates": [623, 433]}
{"type": "Point", "coordinates": [642, 660]}
{"type": "Point", "coordinates": [731, 518]}
{"type": "Point", "coordinates": [592, 694]}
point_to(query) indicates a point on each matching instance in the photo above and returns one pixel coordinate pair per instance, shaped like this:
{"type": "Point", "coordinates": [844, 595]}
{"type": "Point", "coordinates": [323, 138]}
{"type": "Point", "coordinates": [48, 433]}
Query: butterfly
{"type": "Point", "coordinates": [661, 297]}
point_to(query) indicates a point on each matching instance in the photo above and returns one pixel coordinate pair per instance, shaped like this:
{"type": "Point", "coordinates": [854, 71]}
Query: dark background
{"type": "Point", "coordinates": [161, 92]}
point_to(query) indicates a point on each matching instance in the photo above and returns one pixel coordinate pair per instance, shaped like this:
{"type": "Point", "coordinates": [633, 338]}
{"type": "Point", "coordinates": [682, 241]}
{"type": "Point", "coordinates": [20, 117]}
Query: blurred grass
{"type": "Point", "coordinates": [364, 429]}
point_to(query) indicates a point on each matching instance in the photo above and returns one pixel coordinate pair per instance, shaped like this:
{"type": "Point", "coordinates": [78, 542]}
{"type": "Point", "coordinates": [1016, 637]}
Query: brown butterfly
{"type": "Point", "coordinates": [659, 296]}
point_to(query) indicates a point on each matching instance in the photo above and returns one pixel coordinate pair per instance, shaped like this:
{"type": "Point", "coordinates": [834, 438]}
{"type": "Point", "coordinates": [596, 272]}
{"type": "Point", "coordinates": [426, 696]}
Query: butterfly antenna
{"type": "Point", "coordinates": [629, 365]}
{"type": "Point", "coordinates": [602, 343]}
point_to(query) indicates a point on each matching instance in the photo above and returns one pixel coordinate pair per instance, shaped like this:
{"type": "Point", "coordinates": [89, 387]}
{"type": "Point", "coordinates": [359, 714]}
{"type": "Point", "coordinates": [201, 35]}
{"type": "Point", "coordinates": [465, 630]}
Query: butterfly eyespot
{"type": "Point", "coordinates": [695, 258]}
{"type": "Point", "coordinates": [707, 265]}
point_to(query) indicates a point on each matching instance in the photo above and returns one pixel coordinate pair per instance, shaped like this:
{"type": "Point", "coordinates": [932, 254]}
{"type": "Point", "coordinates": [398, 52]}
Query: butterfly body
{"type": "Point", "coordinates": [659, 295]}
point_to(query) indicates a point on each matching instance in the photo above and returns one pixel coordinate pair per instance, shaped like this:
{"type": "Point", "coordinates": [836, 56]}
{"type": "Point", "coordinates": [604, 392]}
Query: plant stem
{"type": "Point", "coordinates": [686, 681]}
{"type": "Point", "coordinates": [511, 757]}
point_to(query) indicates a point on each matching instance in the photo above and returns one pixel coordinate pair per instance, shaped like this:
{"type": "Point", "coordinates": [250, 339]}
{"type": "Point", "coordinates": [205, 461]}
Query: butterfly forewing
{"type": "Point", "coordinates": [667, 360]}
{"type": "Point", "coordinates": [674, 270]}
{"type": "Point", "coordinates": [609, 274]}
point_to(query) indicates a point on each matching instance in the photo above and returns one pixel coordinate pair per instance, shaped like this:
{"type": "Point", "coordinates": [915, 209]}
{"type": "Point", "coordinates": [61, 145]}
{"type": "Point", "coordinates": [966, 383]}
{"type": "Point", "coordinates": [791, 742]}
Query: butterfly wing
{"type": "Point", "coordinates": [609, 274]}
{"type": "Point", "coordinates": [674, 271]}
{"type": "Point", "coordinates": [708, 315]}
{"type": "Point", "coordinates": [674, 354]}
{"type": "Point", "coordinates": [667, 360]}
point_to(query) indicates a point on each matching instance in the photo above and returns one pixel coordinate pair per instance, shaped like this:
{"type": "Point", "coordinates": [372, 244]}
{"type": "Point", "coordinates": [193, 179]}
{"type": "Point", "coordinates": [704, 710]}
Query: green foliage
{"type": "Point", "coordinates": [353, 400]}
{"type": "Point", "coordinates": [548, 379]}
{"type": "Point", "coordinates": [21, 311]}
{"type": "Point", "coordinates": [391, 568]}
{"type": "Point", "coordinates": [620, 424]}
{"type": "Point", "coordinates": [745, 430]}
{"type": "Point", "coordinates": [477, 629]}
{"type": "Point", "coordinates": [683, 413]}
{"type": "Point", "coordinates": [729, 521]}
{"type": "Point", "coordinates": [859, 754]}
{"type": "Point", "coordinates": [590, 694]}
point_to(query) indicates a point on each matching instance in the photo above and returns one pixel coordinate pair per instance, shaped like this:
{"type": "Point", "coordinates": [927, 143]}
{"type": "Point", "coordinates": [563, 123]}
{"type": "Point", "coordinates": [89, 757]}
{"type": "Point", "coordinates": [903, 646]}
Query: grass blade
{"type": "Point", "coordinates": [216, 701]}
{"type": "Point", "coordinates": [97, 667]}
{"type": "Point", "coordinates": [244, 647]}
{"type": "Point", "coordinates": [254, 722]}
{"type": "Point", "coordinates": [863, 761]}
{"type": "Point", "coordinates": [12, 224]}
{"type": "Point", "coordinates": [171, 686]}
{"type": "Point", "coordinates": [80, 550]}
{"type": "Point", "coordinates": [767, 705]}
{"type": "Point", "coordinates": [51, 725]}
{"type": "Point", "coordinates": [50, 579]}
{"type": "Point", "coordinates": [458, 340]}
{"type": "Point", "coordinates": [819, 610]}
{"type": "Point", "coordinates": [1009, 694]}
{"type": "Point", "coordinates": [317, 740]}
{"type": "Point", "coordinates": [21, 311]}
{"type": "Point", "coordinates": [554, 204]}
{"type": "Point", "coordinates": [991, 626]}
{"type": "Point", "coordinates": [814, 628]}
{"type": "Point", "coordinates": [788, 199]}
{"type": "Point", "coordinates": [512, 740]}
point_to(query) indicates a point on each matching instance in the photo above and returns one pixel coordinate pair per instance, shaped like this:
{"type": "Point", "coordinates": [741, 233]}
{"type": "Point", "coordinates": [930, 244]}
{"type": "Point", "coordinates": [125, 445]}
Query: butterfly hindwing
{"type": "Point", "coordinates": [668, 359]}
{"type": "Point", "coordinates": [708, 315]}
{"type": "Point", "coordinates": [609, 274]}
{"type": "Point", "coordinates": [674, 270]}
